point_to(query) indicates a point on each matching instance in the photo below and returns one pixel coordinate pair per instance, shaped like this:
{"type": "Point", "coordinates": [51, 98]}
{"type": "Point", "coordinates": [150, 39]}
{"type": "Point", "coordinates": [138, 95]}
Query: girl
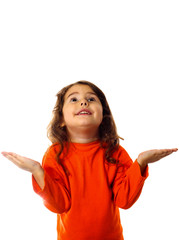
{"type": "Point", "coordinates": [86, 175]}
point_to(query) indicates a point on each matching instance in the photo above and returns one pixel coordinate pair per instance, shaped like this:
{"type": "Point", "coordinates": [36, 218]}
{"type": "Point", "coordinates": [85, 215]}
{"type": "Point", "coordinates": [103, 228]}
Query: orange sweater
{"type": "Point", "coordinates": [87, 192]}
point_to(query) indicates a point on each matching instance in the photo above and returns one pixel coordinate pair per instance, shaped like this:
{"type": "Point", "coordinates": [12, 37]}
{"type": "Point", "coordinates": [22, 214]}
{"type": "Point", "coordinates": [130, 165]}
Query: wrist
{"type": "Point", "coordinates": [38, 174]}
{"type": "Point", "coordinates": [37, 169]}
{"type": "Point", "coordinates": [142, 165]}
{"type": "Point", "coordinates": [141, 162]}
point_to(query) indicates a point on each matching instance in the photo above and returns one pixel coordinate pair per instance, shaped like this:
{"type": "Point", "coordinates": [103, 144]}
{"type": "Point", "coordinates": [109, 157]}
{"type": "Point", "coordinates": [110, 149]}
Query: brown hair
{"type": "Point", "coordinates": [108, 136]}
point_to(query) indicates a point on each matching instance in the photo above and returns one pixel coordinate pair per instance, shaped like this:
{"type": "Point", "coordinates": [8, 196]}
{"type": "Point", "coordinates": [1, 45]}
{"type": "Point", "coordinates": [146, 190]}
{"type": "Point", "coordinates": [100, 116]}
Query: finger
{"type": "Point", "coordinates": [172, 149]}
{"type": "Point", "coordinates": [12, 157]}
{"type": "Point", "coordinates": [15, 156]}
{"type": "Point", "coordinates": [166, 152]}
{"type": "Point", "coordinates": [4, 153]}
{"type": "Point", "coordinates": [9, 154]}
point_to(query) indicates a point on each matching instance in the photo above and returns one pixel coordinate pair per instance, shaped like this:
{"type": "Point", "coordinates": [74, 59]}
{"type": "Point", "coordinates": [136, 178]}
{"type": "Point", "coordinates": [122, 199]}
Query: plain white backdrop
{"type": "Point", "coordinates": [127, 48]}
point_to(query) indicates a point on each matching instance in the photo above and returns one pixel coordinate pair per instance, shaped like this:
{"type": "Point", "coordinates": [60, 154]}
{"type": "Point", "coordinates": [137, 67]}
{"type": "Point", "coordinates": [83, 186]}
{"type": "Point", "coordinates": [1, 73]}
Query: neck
{"type": "Point", "coordinates": [83, 140]}
{"type": "Point", "coordinates": [83, 136]}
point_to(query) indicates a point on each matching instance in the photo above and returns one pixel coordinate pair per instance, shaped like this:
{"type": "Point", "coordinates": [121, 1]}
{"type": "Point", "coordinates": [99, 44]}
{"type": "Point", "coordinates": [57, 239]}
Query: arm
{"type": "Point", "coordinates": [27, 164]}
{"type": "Point", "coordinates": [48, 182]}
{"type": "Point", "coordinates": [128, 184]}
{"type": "Point", "coordinates": [128, 181]}
{"type": "Point", "coordinates": [130, 178]}
{"type": "Point", "coordinates": [56, 192]}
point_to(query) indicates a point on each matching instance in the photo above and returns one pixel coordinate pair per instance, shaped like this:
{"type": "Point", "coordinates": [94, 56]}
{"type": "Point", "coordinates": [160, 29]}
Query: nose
{"type": "Point", "coordinates": [84, 103]}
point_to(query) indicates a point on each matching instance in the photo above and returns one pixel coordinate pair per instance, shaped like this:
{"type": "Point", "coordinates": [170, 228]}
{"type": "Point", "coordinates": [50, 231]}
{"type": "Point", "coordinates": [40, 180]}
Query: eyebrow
{"type": "Point", "coordinates": [78, 93]}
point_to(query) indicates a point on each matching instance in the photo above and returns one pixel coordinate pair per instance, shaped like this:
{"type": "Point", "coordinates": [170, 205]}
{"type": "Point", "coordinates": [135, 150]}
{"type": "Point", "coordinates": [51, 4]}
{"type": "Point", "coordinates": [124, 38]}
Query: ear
{"type": "Point", "coordinates": [62, 122]}
{"type": "Point", "coordinates": [62, 125]}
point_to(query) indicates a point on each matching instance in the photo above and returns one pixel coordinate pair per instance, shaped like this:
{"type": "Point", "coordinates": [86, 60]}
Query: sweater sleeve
{"type": "Point", "coordinates": [56, 192]}
{"type": "Point", "coordinates": [128, 182]}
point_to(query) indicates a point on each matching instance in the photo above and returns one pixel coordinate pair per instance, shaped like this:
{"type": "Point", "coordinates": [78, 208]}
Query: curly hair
{"type": "Point", "coordinates": [109, 139]}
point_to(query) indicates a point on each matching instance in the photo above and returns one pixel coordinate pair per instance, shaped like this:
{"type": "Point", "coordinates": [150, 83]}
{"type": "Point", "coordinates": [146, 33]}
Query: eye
{"type": "Point", "coordinates": [74, 99]}
{"type": "Point", "coordinates": [91, 99]}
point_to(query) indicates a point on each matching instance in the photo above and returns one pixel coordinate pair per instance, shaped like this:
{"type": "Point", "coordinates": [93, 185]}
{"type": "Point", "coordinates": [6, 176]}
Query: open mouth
{"type": "Point", "coordinates": [84, 112]}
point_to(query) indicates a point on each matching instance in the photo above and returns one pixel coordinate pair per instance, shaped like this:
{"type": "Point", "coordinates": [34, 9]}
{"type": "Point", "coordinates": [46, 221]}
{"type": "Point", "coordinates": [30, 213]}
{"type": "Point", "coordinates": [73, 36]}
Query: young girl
{"type": "Point", "coordinates": [86, 175]}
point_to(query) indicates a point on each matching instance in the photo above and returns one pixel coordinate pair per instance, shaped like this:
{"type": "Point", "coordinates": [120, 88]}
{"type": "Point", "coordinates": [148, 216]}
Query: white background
{"type": "Point", "coordinates": [127, 48]}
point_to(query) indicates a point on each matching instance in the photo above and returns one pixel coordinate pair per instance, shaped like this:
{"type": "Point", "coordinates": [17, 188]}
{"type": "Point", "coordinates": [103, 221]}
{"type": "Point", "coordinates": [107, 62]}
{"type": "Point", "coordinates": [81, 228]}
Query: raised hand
{"type": "Point", "coordinates": [24, 163]}
{"type": "Point", "coordinates": [152, 156]}
{"type": "Point", "coordinates": [29, 165]}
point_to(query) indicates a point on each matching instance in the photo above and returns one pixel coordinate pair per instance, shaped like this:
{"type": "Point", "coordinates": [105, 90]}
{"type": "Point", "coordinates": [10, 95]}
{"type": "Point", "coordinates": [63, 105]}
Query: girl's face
{"type": "Point", "coordinates": [82, 109]}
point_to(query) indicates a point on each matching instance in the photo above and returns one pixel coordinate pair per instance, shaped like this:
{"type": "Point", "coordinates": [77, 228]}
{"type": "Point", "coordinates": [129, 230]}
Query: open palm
{"type": "Point", "coordinates": [22, 162]}
{"type": "Point", "coordinates": [154, 155]}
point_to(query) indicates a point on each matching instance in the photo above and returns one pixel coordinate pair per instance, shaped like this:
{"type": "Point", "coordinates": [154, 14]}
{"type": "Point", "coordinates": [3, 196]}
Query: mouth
{"type": "Point", "coordinates": [84, 112]}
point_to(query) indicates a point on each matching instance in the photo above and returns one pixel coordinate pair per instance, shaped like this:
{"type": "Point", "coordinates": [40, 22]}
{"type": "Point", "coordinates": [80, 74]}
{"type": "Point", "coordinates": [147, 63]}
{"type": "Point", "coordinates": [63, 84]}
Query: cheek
{"type": "Point", "coordinates": [67, 113]}
{"type": "Point", "coordinates": [100, 114]}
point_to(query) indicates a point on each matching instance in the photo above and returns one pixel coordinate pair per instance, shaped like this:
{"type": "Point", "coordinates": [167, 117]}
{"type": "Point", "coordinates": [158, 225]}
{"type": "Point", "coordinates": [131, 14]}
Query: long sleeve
{"type": "Point", "coordinates": [128, 182]}
{"type": "Point", "coordinates": [56, 192]}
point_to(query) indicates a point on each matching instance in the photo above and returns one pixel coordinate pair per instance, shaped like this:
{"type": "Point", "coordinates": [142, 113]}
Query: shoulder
{"type": "Point", "coordinates": [54, 148]}
{"type": "Point", "coordinates": [51, 153]}
{"type": "Point", "coordinates": [50, 161]}
{"type": "Point", "coordinates": [120, 150]}
{"type": "Point", "coordinates": [122, 155]}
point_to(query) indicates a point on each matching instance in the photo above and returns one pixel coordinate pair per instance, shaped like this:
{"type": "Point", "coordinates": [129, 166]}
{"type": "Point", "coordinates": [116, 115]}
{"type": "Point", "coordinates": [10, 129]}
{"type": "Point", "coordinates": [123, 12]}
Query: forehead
{"type": "Point", "coordinates": [79, 88]}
